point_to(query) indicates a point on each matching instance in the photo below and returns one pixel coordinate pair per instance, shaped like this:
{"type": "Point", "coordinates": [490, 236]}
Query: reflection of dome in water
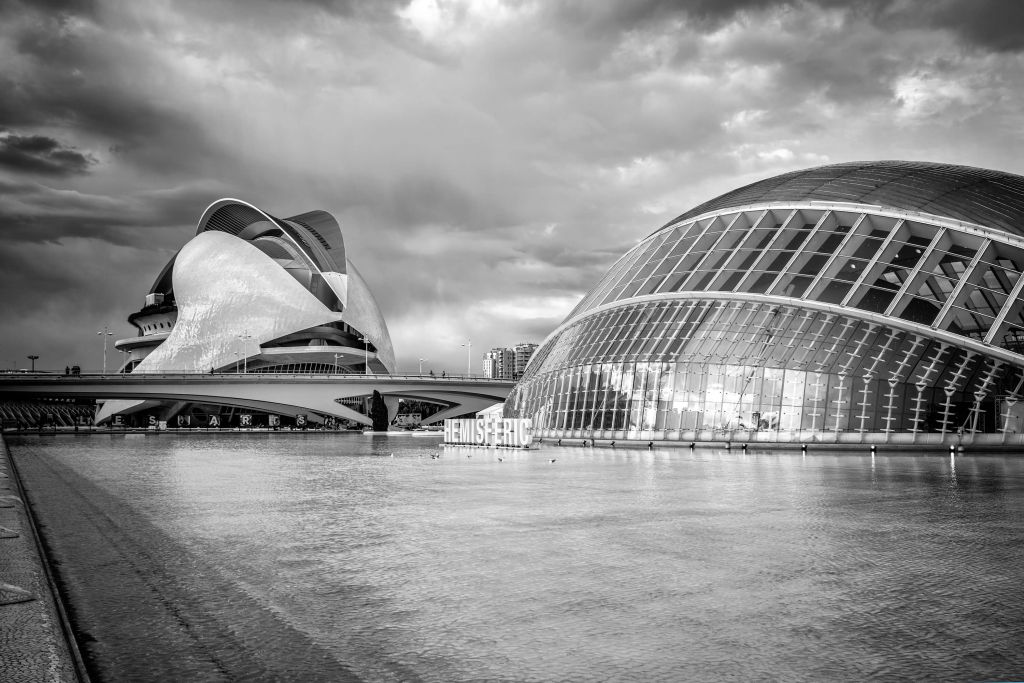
{"type": "Point", "coordinates": [833, 303]}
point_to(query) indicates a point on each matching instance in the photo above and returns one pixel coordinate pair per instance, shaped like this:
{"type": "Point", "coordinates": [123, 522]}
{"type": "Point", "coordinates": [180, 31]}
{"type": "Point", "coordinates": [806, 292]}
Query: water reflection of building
{"type": "Point", "coordinates": [849, 302]}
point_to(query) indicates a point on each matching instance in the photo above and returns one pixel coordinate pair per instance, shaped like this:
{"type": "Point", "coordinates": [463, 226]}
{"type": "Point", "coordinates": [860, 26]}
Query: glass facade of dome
{"type": "Point", "coordinates": [796, 309]}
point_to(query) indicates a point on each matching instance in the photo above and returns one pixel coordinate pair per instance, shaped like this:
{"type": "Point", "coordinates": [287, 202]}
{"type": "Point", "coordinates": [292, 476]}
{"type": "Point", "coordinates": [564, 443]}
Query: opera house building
{"type": "Point", "coordinates": [872, 302]}
{"type": "Point", "coordinates": [253, 293]}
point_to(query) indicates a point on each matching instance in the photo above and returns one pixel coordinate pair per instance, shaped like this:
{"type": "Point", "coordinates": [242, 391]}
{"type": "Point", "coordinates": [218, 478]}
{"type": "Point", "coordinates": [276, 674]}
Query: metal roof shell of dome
{"type": "Point", "coordinates": [975, 195]}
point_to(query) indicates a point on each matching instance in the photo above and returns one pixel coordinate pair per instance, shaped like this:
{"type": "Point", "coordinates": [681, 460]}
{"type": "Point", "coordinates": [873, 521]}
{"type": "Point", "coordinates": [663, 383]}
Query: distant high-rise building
{"type": "Point", "coordinates": [499, 363]}
{"type": "Point", "coordinates": [523, 352]}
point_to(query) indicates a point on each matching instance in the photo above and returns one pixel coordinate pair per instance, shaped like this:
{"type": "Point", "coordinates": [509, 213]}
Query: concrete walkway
{"type": "Point", "coordinates": [33, 642]}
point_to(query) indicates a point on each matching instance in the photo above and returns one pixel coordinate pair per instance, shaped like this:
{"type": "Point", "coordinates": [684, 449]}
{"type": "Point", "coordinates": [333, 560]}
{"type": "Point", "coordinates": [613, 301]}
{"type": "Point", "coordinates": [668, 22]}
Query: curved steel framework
{"type": "Point", "coordinates": [796, 320]}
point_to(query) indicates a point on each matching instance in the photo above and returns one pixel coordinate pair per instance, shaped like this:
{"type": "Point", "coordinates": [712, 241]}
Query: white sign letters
{"type": "Point", "coordinates": [489, 431]}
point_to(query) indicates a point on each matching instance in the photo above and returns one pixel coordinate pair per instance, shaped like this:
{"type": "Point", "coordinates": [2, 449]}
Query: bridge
{"type": "Point", "coordinates": [282, 394]}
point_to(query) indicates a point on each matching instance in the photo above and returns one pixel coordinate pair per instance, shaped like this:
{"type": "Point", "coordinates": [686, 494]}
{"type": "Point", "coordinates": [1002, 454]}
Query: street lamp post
{"type": "Point", "coordinates": [469, 357]}
{"type": "Point", "coordinates": [366, 355]}
{"type": "Point", "coordinates": [336, 363]}
{"type": "Point", "coordinates": [105, 333]}
{"type": "Point", "coordinates": [33, 359]}
{"type": "Point", "coordinates": [244, 337]}
{"type": "Point", "coordinates": [421, 364]}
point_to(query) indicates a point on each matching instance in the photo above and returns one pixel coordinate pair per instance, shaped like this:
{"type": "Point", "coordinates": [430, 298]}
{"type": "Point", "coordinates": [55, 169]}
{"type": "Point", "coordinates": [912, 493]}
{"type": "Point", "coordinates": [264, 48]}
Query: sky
{"type": "Point", "coordinates": [487, 160]}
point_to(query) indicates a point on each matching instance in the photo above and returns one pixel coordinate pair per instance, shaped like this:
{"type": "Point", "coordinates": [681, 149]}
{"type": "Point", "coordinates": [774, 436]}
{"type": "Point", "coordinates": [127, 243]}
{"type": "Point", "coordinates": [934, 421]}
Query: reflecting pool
{"type": "Point", "coordinates": [247, 556]}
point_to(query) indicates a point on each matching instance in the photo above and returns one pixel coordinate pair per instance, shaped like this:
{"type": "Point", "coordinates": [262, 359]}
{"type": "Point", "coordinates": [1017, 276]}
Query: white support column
{"type": "Point", "coordinates": [816, 400]}
{"type": "Point", "coordinates": [839, 401]}
{"type": "Point", "coordinates": [952, 387]}
{"type": "Point", "coordinates": [865, 392]}
{"type": "Point", "coordinates": [798, 335]}
{"type": "Point", "coordinates": [838, 338]}
{"type": "Point", "coordinates": [983, 391]}
{"type": "Point", "coordinates": [897, 376]}
{"type": "Point", "coordinates": [923, 382]}
{"type": "Point", "coordinates": [890, 402]}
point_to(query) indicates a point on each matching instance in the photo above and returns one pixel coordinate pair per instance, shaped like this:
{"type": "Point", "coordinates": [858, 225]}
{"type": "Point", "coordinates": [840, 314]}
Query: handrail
{"type": "Point", "coordinates": [254, 377]}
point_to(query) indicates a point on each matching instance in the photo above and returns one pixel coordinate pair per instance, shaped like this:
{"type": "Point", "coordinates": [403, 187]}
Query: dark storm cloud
{"type": "Point", "coordinates": [41, 154]}
{"type": "Point", "coordinates": [34, 212]}
{"type": "Point", "coordinates": [62, 7]}
{"type": "Point", "coordinates": [82, 80]}
{"type": "Point", "coordinates": [987, 24]}
{"type": "Point", "coordinates": [611, 16]}
{"type": "Point", "coordinates": [258, 12]}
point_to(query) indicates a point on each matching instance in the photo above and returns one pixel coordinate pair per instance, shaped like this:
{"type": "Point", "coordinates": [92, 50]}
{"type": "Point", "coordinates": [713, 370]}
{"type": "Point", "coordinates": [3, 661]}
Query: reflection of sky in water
{"type": "Point", "coordinates": [608, 564]}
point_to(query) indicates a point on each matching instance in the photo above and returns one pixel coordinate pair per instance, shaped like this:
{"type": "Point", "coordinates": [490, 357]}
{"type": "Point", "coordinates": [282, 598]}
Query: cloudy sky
{"type": "Point", "coordinates": [488, 160]}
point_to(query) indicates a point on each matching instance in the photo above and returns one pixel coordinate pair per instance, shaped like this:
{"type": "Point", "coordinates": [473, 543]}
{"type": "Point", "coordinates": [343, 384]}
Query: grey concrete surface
{"type": "Point", "coordinates": [33, 646]}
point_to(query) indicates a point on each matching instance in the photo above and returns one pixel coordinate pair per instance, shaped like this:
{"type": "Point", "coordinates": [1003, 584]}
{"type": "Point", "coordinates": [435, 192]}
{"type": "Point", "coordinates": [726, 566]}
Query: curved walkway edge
{"type": "Point", "coordinates": [36, 641]}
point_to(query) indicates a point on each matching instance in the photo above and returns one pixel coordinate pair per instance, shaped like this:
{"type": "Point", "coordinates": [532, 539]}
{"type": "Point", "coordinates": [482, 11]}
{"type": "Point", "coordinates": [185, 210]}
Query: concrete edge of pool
{"type": "Point", "coordinates": [38, 642]}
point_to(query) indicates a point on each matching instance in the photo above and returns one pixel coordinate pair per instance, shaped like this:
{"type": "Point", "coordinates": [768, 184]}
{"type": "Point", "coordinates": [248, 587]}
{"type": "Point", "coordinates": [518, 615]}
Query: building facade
{"type": "Point", "coordinates": [499, 363]}
{"type": "Point", "coordinates": [251, 293]}
{"type": "Point", "coordinates": [860, 302]}
{"type": "Point", "coordinates": [523, 352]}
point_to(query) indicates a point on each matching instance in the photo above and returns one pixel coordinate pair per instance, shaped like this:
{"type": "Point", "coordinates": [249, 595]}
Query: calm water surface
{"type": "Point", "coordinates": [604, 565]}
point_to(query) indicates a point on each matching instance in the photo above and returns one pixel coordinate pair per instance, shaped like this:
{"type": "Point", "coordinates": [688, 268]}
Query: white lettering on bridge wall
{"type": "Point", "coordinates": [490, 431]}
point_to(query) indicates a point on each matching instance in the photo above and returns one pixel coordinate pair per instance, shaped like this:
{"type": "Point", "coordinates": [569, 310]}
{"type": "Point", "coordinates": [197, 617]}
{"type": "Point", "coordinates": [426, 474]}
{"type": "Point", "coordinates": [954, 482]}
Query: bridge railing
{"type": "Point", "coordinates": [254, 377]}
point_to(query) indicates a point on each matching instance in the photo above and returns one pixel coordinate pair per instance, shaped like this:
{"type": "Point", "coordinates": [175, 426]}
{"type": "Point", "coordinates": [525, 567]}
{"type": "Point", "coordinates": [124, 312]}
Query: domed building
{"type": "Point", "coordinates": [866, 302]}
{"type": "Point", "coordinates": [254, 293]}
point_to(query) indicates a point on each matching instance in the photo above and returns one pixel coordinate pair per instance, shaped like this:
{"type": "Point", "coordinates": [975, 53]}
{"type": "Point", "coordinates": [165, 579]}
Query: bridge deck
{"type": "Point", "coordinates": [20, 379]}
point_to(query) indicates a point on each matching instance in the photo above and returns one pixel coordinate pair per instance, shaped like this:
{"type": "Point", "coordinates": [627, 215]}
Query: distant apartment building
{"type": "Point", "coordinates": [522, 353]}
{"type": "Point", "coordinates": [499, 363]}
{"type": "Point", "coordinates": [503, 363]}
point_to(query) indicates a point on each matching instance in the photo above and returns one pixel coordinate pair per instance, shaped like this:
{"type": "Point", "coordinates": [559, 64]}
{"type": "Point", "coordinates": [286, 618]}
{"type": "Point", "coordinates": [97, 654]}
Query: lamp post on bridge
{"type": "Point", "coordinates": [33, 359]}
{"type": "Point", "coordinates": [336, 356]}
{"type": "Point", "coordinates": [421, 364]}
{"type": "Point", "coordinates": [469, 357]}
{"type": "Point", "coordinates": [244, 337]}
{"type": "Point", "coordinates": [366, 355]}
{"type": "Point", "coordinates": [105, 334]}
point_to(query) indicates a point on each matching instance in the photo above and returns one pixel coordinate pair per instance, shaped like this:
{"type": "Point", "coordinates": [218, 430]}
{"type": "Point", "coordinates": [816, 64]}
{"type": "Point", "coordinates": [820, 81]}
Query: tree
{"type": "Point", "coordinates": [378, 412]}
